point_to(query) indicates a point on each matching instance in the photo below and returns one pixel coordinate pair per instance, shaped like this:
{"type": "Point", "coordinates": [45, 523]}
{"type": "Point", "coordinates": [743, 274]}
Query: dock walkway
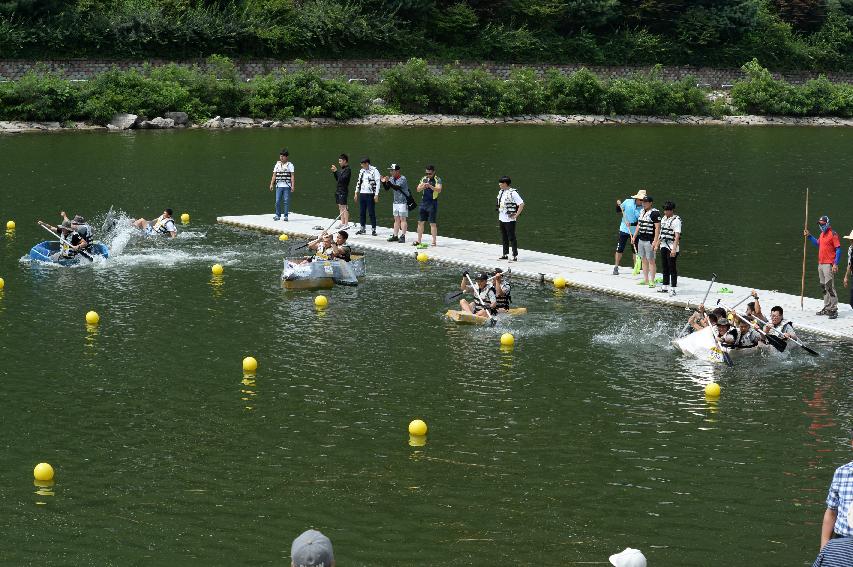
{"type": "Point", "coordinates": [583, 274]}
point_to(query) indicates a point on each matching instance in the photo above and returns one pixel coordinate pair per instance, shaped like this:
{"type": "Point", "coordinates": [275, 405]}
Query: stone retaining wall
{"type": "Point", "coordinates": [420, 120]}
{"type": "Point", "coordinates": [370, 70]}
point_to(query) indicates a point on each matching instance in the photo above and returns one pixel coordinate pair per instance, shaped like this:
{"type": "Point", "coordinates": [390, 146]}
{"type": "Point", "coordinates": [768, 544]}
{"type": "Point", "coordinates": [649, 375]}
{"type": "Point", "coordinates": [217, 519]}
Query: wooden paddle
{"type": "Point", "coordinates": [805, 241]}
{"type": "Point", "coordinates": [797, 342]}
{"type": "Point", "coordinates": [318, 238]}
{"type": "Point", "coordinates": [57, 234]}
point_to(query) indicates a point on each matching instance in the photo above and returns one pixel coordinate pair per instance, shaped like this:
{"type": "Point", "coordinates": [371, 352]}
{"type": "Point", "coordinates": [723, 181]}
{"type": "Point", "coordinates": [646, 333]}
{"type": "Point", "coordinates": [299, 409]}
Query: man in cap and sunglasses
{"type": "Point", "coordinates": [487, 295]}
{"type": "Point", "coordinates": [828, 256]}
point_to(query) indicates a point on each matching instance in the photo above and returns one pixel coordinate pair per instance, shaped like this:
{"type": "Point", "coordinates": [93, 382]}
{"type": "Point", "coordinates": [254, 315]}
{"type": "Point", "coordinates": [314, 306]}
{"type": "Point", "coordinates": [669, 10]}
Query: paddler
{"type": "Point", "coordinates": [68, 238]}
{"type": "Point", "coordinates": [699, 321]}
{"type": "Point", "coordinates": [164, 225]}
{"type": "Point", "coordinates": [753, 309]}
{"type": "Point", "coordinates": [502, 291]}
{"type": "Point", "coordinates": [628, 211]}
{"type": "Point", "coordinates": [487, 302]}
{"type": "Point", "coordinates": [728, 335]}
{"type": "Point", "coordinates": [327, 248]}
{"type": "Point", "coordinates": [779, 324]}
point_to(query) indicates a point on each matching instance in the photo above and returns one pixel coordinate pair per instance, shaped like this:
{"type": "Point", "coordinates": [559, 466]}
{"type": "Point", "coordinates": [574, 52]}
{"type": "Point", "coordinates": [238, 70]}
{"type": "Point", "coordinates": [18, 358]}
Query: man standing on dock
{"type": "Point", "coordinates": [828, 256]}
{"type": "Point", "coordinates": [629, 211]}
{"type": "Point", "coordinates": [367, 193]}
{"type": "Point", "coordinates": [285, 184]}
{"type": "Point", "coordinates": [342, 177]}
{"type": "Point", "coordinates": [647, 240]}
{"type": "Point", "coordinates": [399, 185]}
{"type": "Point", "coordinates": [431, 187]}
{"type": "Point", "coordinates": [509, 205]}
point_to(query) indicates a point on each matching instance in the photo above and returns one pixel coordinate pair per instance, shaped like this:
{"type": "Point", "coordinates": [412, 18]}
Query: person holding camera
{"type": "Point", "coordinates": [509, 206]}
{"type": "Point", "coordinates": [400, 208]}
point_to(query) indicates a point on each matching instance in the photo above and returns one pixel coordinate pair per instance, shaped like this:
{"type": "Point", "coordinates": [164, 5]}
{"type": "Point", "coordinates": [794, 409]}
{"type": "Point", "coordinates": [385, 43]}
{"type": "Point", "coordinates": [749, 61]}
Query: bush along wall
{"type": "Point", "coordinates": [411, 88]}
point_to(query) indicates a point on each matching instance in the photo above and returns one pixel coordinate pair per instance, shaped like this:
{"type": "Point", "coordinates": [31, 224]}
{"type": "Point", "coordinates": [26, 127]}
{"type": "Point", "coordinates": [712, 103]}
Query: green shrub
{"type": "Point", "coordinates": [39, 96]}
{"type": "Point", "coordinates": [410, 86]}
{"type": "Point", "coordinates": [649, 95]}
{"type": "Point", "coordinates": [760, 93]}
{"type": "Point", "coordinates": [305, 93]}
{"type": "Point", "coordinates": [135, 93]}
{"type": "Point", "coordinates": [579, 93]}
{"type": "Point", "coordinates": [470, 93]}
{"type": "Point", "coordinates": [522, 93]}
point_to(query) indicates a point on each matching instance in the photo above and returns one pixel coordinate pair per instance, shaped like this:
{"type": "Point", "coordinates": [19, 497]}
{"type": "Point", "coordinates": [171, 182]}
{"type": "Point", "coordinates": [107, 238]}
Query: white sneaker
{"type": "Point", "coordinates": [672, 292]}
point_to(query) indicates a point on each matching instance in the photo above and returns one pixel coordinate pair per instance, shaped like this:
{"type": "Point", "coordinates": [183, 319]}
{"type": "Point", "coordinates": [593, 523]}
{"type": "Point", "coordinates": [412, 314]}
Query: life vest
{"type": "Point", "coordinates": [160, 226]}
{"type": "Point", "coordinates": [488, 295]}
{"type": "Point", "coordinates": [345, 255]}
{"type": "Point", "coordinates": [506, 204]}
{"type": "Point", "coordinates": [748, 339]}
{"type": "Point", "coordinates": [667, 233]}
{"type": "Point", "coordinates": [282, 174]}
{"type": "Point", "coordinates": [645, 224]}
{"type": "Point", "coordinates": [781, 326]}
{"type": "Point", "coordinates": [502, 302]}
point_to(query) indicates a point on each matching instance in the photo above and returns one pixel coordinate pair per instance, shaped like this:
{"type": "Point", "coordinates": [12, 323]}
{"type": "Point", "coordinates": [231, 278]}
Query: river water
{"type": "Point", "coordinates": [590, 436]}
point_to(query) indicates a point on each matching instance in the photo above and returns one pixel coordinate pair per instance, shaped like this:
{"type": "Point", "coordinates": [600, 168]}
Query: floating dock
{"type": "Point", "coordinates": [582, 274]}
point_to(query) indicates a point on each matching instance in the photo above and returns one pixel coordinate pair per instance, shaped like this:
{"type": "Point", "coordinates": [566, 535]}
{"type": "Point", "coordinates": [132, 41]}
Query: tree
{"type": "Point", "coordinates": [803, 15]}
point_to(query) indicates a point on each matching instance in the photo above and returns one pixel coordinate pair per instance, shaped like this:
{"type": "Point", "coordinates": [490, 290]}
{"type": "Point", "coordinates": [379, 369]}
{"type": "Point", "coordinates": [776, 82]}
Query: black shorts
{"type": "Point", "coordinates": [624, 237]}
{"type": "Point", "coordinates": [428, 212]}
{"type": "Point", "coordinates": [340, 198]}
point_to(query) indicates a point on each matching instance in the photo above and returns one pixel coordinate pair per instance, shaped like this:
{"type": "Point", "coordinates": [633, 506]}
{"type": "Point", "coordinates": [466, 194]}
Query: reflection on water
{"type": "Point", "coordinates": [248, 391]}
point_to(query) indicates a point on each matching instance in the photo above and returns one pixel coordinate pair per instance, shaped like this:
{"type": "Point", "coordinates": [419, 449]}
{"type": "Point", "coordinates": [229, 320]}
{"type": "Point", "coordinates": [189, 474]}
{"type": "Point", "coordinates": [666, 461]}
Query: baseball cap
{"type": "Point", "coordinates": [365, 159]}
{"type": "Point", "coordinates": [312, 549]}
{"type": "Point", "coordinates": [628, 558]}
{"type": "Point", "coordinates": [284, 152]}
{"type": "Point", "coordinates": [482, 276]}
{"type": "Point", "coordinates": [394, 167]}
{"type": "Point", "coordinates": [648, 199]}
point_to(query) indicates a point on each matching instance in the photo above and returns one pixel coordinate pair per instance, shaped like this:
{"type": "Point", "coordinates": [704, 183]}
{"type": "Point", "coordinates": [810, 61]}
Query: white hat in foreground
{"type": "Point", "coordinates": [628, 558]}
{"type": "Point", "coordinates": [849, 236]}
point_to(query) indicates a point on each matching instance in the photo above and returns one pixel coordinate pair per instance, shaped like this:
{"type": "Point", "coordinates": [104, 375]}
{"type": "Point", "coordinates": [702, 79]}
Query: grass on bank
{"type": "Point", "coordinates": [407, 88]}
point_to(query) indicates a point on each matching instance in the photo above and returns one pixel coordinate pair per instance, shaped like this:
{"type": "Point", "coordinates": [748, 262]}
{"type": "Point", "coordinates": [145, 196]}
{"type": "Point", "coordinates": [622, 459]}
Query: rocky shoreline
{"type": "Point", "coordinates": [179, 120]}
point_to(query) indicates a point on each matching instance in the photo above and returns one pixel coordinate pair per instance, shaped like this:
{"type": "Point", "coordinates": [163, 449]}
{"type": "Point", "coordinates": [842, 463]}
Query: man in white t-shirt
{"type": "Point", "coordinates": [509, 206]}
{"type": "Point", "coordinates": [670, 246]}
{"type": "Point", "coordinates": [284, 181]}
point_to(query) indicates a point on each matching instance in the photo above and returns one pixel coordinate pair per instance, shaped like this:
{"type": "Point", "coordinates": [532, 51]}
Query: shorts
{"type": "Point", "coordinates": [400, 210]}
{"type": "Point", "coordinates": [340, 198]}
{"type": "Point", "coordinates": [645, 249]}
{"type": "Point", "coordinates": [428, 212]}
{"type": "Point", "coordinates": [624, 237]}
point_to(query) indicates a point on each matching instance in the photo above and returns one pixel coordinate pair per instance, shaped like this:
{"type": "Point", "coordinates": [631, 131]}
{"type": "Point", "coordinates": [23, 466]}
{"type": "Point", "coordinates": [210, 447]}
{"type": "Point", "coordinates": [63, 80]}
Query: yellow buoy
{"type": "Point", "coordinates": [283, 237]}
{"type": "Point", "coordinates": [2, 283]}
{"type": "Point", "coordinates": [712, 390]}
{"type": "Point", "coordinates": [250, 364]}
{"type": "Point", "coordinates": [560, 282]}
{"type": "Point", "coordinates": [417, 440]}
{"type": "Point", "coordinates": [10, 225]}
{"type": "Point", "coordinates": [418, 428]}
{"type": "Point", "coordinates": [507, 339]}
{"type": "Point", "coordinates": [422, 257]}
{"type": "Point", "coordinates": [185, 218]}
{"type": "Point", "coordinates": [43, 472]}
{"type": "Point", "coordinates": [217, 269]}
{"type": "Point", "coordinates": [321, 301]}
{"type": "Point", "coordinates": [92, 318]}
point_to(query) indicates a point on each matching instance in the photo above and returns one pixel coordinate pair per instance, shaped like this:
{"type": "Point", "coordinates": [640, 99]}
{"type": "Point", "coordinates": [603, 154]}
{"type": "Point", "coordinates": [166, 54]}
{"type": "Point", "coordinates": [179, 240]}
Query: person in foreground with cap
{"type": "Point", "coordinates": [628, 211]}
{"type": "Point", "coordinates": [399, 185]}
{"type": "Point", "coordinates": [284, 180]}
{"type": "Point", "coordinates": [367, 193]}
{"type": "Point", "coordinates": [837, 521]}
{"type": "Point", "coordinates": [647, 240]}
{"type": "Point", "coordinates": [487, 295]}
{"type": "Point", "coordinates": [628, 557]}
{"type": "Point", "coordinates": [828, 256]}
{"type": "Point", "coordinates": [849, 271]}
{"type": "Point", "coordinates": [509, 206]}
{"type": "Point", "coordinates": [431, 186]}
{"type": "Point", "coordinates": [312, 549]}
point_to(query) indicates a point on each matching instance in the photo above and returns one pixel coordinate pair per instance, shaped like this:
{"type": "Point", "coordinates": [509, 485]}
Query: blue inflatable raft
{"type": "Point", "coordinates": [42, 252]}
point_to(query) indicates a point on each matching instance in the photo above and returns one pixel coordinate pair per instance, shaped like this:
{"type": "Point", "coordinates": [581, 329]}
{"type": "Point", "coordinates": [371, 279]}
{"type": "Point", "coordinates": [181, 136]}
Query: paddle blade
{"type": "Point", "coordinates": [778, 343]}
{"type": "Point", "coordinates": [728, 359]}
{"type": "Point", "coordinates": [452, 297]}
{"type": "Point", "coordinates": [809, 350]}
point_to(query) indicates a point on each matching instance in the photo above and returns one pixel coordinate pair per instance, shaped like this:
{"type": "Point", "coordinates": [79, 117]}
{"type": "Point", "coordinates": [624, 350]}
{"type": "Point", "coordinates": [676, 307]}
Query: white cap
{"type": "Point", "coordinates": [628, 558]}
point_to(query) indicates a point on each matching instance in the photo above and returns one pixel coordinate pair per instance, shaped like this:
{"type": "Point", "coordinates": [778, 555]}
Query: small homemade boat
{"type": "Point", "coordinates": [43, 251]}
{"type": "Point", "coordinates": [701, 345]}
{"type": "Point", "coordinates": [322, 274]}
{"type": "Point", "coordinates": [465, 318]}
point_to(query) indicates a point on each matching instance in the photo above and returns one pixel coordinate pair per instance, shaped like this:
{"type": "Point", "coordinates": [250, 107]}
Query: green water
{"type": "Point", "coordinates": [589, 437]}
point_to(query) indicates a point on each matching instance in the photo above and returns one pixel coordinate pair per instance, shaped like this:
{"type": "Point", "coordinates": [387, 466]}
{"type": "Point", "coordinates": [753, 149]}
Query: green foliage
{"type": "Point", "coordinates": [39, 96]}
{"type": "Point", "coordinates": [410, 86]}
{"type": "Point", "coordinates": [649, 95]}
{"type": "Point", "coordinates": [579, 93]}
{"type": "Point", "coordinates": [307, 94]}
{"type": "Point", "coordinates": [522, 93]}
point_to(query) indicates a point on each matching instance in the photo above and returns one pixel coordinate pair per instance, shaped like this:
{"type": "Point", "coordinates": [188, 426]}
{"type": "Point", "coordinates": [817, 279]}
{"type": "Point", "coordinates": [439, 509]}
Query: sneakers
{"type": "Point", "coordinates": [672, 292]}
{"type": "Point", "coordinates": [276, 218]}
{"type": "Point", "coordinates": [663, 290]}
{"type": "Point", "coordinates": [416, 243]}
{"type": "Point", "coordinates": [392, 238]}
{"type": "Point", "coordinates": [615, 270]}
{"type": "Point", "coordinates": [822, 312]}
{"type": "Point", "coordinates": [652, 285]}
{"type": "Point", "coordinates": [832, 314]}
{"type": "Point", "coordinates": [361, 231]}
{"type": "Point", "coordinates": [504, 258]}
{"type": "Point", "coordinates": [515, 258]}
{"type": "Point", "coordinates": [285, 219]}
{"type": "Point", "coordinates": [402, 238]}
{"type": "Point", "coordinates": [373, 233]}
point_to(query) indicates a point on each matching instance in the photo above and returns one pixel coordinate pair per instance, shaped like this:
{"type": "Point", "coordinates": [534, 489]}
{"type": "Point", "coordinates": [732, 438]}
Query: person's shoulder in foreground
{"type": "Point", "coordinates": [836, 553]}
{"type": "Point", "coordinates": [312, 549]}
{"type": "Point", "coordinates": [628, 557]}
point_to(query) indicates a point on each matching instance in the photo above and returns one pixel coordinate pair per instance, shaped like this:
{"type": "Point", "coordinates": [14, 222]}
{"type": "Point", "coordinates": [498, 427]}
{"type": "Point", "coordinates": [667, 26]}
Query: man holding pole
{"type": "Point", "coordinates": [629, 211]}
{"type": "Point", "coordinates": [829, 254]}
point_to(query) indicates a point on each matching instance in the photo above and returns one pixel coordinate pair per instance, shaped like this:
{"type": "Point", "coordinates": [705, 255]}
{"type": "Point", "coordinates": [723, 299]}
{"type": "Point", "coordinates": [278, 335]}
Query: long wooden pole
{"type": "Point", "coordinates": [805, 241]}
